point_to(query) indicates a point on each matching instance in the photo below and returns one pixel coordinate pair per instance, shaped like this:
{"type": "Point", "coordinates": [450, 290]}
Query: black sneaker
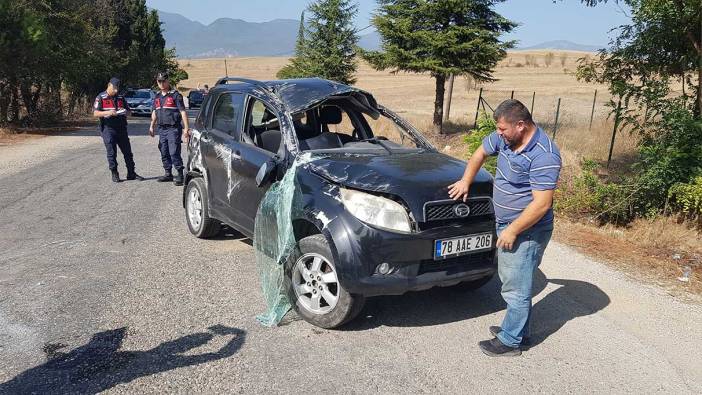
{"type": "Point", "coordinates": [495, 348]}
{"type": "Point", "coordinates": [115, 176]}
{"type": "Point", "coordinates": [494, 330]}
{"type": "Point", "coordinates": [134, 176]}
{"type": "Point", "coordinates": [168, 177]}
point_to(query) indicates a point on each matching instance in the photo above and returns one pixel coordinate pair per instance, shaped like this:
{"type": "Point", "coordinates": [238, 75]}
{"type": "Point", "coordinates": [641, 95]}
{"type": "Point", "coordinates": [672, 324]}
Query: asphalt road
{"type": "Point", "coordinates": [102, 288]}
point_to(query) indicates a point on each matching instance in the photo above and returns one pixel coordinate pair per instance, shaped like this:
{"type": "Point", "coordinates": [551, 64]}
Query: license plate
{"type": "Point", "coordinates": [461, 245]}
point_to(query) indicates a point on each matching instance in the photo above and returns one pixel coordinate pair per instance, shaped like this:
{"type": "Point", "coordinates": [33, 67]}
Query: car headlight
{"type": "Point", "coordinates": [376, 210]}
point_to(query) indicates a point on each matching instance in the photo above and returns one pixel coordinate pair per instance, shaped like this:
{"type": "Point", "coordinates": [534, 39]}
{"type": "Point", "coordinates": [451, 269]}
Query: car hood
{"type": "Point", "coordinates": [416, 177]}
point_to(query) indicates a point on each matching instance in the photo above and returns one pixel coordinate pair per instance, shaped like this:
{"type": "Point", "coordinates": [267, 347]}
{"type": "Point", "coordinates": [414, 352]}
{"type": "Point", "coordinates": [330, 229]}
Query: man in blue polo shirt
{"type": "Point", "coordinates": [528, 166]}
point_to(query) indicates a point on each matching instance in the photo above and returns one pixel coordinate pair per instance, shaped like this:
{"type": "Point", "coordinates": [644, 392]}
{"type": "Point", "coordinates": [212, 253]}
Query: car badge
{"type": "Point", "coordinates": [461, 210]}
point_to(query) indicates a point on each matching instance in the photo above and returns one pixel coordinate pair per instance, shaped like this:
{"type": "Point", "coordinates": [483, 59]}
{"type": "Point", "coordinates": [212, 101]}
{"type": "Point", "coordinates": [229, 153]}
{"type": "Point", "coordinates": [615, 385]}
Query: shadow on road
{"type": "Point", "coordinates": [229, 233]}
{"type": "Point", "coordinates": [99, 365]}
{"type": "Point", "coordinates": [572, 300]}
{"type": "Point", "coordinates": [445, 305]}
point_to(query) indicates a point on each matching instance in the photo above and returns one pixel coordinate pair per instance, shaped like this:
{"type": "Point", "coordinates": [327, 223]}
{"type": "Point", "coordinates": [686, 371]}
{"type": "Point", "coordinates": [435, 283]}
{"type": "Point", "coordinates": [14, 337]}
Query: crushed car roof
{"type": "Point", "coordinates": [300, 94]}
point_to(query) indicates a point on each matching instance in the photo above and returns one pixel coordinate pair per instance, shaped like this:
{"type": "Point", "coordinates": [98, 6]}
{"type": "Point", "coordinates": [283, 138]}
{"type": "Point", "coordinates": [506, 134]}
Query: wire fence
{"type": "Point", "coordinates": [564, 118]}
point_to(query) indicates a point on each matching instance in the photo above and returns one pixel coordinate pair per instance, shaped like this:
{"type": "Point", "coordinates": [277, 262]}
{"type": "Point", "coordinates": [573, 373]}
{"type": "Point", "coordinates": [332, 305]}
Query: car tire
{"type": "Point", "coordinates": [342, 309]}
{"type": "Point", "coordinates": [473, 284]}
{"type": "Point", "coordinates": [200, 224]}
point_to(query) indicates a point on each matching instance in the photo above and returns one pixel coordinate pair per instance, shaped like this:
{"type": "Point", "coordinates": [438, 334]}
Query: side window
{"type": "Point", "coordinates": [262, 126]}
{"type": "Point", "coordinates": [226, 114]}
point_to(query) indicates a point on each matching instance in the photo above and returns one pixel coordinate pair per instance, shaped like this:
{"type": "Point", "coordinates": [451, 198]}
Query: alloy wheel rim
{"type": "Point", "coordinates": [315, 284]}
{"type": "Point", "coordinates": [195, 208]}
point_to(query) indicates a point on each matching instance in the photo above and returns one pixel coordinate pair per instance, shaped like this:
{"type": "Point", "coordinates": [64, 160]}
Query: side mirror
{"type": "Point", "coordinates": [265, 172]}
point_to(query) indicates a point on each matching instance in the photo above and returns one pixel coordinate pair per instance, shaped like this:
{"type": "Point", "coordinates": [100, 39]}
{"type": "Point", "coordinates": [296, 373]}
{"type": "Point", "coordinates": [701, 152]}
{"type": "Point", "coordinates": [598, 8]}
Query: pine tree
{"type": "Point", "coordinates": [326, 47]}
{"type": "Point", "coordinates": [296, 68]}
{"type": "Point", "coordinates": [441, 37]}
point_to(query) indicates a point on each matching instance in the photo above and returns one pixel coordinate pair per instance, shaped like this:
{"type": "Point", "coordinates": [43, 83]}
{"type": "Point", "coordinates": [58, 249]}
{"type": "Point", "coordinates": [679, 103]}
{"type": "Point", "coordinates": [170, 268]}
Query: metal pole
{"type": "Point", "coordinates": [533, 97]}
{"type": "Point", "coordinates": [477, 109]}
{"type": "Point", "coordinates": [555, 125]}
{"type": "Point", "coordinates": [592, 114]}
{"type": "Point", "coordinates": [512, 95]}
{"type": "Point", "coordinates": [614, 132]}
{"type": "Point", "coordinates": [448, 100]}
{"type": "Point", "coordinates": [226, 71]}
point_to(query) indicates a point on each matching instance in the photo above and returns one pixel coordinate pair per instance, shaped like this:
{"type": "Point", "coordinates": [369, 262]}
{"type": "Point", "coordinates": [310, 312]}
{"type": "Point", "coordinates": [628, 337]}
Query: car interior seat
{"type": "Point", "coordinates": [270, 140]}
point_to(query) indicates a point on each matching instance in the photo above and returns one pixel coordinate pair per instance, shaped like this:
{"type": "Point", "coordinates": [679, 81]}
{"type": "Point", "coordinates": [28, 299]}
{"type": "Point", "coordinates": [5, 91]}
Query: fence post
{"type": "Point", "coordinates": [614, 132]}
{"type": "Point", "coordinates": [226, 71]}
{"type": "Point", "coordinates": [532, 103]}
{"type": "Point", "coordinates": [512, 95]}
{"type": "Point", "coordinates": [477, 109]}
{"type": "Point", "coordinates": [448, 99]}
{"type": "Point", "coordinates": [555, 124]}
{"type": "Point", "coordinates": [592, 114]}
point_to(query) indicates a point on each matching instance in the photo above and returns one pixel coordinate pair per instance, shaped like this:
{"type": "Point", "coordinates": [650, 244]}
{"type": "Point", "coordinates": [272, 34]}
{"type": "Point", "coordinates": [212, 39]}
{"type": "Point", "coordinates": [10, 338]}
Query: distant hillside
{"type": "Point", "coordinates": [565, 45]}
{"type": "Point", "coordinates": [235, 37]}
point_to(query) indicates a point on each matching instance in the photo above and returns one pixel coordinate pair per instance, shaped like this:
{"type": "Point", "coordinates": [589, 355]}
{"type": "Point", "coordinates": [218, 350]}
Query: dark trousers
{"type": "Point", "coordinates": [169, 141]}
{"type": "Point", "coordinates": [117, 138]}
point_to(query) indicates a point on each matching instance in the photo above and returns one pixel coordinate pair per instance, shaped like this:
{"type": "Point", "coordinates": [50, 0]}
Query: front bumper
{"type": "Point", "coordinates": [360, 248]}
{"type": "Point", "coordinates": [141, 110]}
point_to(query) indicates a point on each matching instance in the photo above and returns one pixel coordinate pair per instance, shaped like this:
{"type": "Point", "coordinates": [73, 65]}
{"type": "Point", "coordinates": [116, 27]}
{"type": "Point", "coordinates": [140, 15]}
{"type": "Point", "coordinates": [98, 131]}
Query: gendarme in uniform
{"type": "Point", "coordinates": [167, 108]}
{"type": "Point", "coordinates": [113, 129]}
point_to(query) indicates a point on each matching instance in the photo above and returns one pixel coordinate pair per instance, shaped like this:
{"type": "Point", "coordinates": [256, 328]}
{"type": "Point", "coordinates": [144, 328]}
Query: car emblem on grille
{"type": "Point", "coordinates": [461, 210]}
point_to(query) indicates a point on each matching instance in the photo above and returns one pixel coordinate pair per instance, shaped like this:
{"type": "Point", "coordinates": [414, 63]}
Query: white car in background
{"type": "Point", "coordinates": [140, 101]}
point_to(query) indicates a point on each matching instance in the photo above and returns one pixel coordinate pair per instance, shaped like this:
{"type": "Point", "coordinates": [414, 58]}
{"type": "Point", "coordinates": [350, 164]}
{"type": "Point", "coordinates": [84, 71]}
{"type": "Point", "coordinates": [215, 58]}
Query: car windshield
{"type": "Point", "coordinates": [138, 95]}
{"type": "Point", "coordinates": [340, 125]}
{"type": "Point", "coordinates": [195, 95]}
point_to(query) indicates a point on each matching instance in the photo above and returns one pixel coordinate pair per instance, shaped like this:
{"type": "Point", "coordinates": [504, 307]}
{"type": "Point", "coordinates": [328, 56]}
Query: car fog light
{"type": "Point", "coordinates": [384, 268]}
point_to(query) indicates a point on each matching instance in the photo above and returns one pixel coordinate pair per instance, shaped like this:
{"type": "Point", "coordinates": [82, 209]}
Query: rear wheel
{"type": "Point", "coordinates": [200, 224]}
{"type": "Point", "coordinates": [314, 288]}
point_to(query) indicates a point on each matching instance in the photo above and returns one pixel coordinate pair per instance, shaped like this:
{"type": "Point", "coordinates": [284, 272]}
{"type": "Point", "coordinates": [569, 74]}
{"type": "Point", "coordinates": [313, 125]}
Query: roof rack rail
{"type": "Point", "coordinates": [224, 80]}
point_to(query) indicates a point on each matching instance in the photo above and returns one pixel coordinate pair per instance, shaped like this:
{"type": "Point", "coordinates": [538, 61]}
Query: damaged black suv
{"type": "Point", "coordinates": [374, 218]}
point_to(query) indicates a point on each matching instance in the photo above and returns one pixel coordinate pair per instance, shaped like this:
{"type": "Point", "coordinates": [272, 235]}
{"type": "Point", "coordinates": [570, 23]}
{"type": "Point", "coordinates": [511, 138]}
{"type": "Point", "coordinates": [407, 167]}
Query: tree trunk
{"type": "Point", "coordinates": [4, 103]}
{"type": "Point", "coordinates": [14, 103]}
{"type": "Point", "coordinates": [699, 88]}
{"type": "Point", "coordinates": [439, 102]}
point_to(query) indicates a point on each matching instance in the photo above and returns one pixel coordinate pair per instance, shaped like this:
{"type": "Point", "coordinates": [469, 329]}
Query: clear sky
{"type": "Point", "coordinates": [540, 20]}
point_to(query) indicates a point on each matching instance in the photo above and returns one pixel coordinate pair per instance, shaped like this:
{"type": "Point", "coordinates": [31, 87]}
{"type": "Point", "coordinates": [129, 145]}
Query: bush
{"type": "Point", "coordinates": [687, 198]}
{"type": "Point", "coordinates": [586, 195]}
{"type": "Point", "coordinates": [670, 154]}
{"type": "Point", "coordinates": [474, 139]}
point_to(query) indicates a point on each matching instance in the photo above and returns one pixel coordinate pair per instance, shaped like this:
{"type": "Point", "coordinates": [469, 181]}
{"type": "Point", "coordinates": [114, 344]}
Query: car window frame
{"type": "Point", "coordinates": [237, 121]}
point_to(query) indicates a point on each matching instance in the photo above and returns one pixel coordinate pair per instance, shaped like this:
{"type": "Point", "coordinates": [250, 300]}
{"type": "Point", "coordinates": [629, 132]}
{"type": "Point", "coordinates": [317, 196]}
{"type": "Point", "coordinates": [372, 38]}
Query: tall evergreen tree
{"type": "Point", "coordinates": [441, 37]}
{"type": "Point", "coordinates": [326, 46]}
{"type": "Point", "coordinates": [296, 68]}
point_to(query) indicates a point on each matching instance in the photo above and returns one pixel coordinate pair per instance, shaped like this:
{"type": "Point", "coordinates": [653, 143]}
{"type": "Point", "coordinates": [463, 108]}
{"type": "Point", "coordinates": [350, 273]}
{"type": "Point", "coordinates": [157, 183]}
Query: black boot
{"type": "Point", "coordinates": [168, 177]}
{"type": "Point", "coordinates": [132, 175]}
{"type": "Point", "coordinates": [115, 176]}
{"type": "Point", "coordinates": [178, 180]}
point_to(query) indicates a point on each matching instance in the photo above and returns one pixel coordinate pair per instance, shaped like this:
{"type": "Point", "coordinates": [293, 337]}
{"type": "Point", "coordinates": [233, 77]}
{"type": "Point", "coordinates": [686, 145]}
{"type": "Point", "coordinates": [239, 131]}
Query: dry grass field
{"type": "Point", "coordinates": [412, 96]}
{"type": "Point", "coordinates": [525, 72]}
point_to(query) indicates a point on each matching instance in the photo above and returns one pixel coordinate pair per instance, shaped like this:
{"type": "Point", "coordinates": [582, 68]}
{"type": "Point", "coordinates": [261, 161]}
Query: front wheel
{"type": "Point", "coordinates": [200, 224]}
{"type": "Point", "coordinates": [313, 286]}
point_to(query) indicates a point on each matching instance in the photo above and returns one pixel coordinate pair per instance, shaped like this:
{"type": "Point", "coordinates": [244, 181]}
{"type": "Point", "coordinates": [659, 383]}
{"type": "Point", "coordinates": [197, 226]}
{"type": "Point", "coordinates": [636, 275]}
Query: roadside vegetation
{"type": "Point", "coordinates": [56, 56]}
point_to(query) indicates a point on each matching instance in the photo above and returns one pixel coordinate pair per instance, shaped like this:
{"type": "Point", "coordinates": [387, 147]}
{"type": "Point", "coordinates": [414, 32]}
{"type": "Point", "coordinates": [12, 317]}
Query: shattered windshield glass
{"type": "Point", "coordinates": [274, 241]}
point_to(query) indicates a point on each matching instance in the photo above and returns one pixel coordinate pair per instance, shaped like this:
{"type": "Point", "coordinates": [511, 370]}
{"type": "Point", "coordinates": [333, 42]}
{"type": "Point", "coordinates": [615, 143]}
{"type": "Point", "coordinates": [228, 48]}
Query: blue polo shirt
{"type": "Point", "coordinates": [536, 167]}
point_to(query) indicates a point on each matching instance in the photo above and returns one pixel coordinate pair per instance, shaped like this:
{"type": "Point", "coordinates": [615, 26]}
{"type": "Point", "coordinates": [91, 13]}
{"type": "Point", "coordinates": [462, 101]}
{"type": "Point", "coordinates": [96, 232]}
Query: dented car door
{"type": "Point", "coordinates": [221, 151]}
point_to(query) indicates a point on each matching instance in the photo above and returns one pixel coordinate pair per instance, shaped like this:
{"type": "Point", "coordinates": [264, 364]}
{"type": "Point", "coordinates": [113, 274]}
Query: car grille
{"type": "Point", "coordinates": [444, 209]}
{"type": "Point", "coordinates": [458, 264]}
